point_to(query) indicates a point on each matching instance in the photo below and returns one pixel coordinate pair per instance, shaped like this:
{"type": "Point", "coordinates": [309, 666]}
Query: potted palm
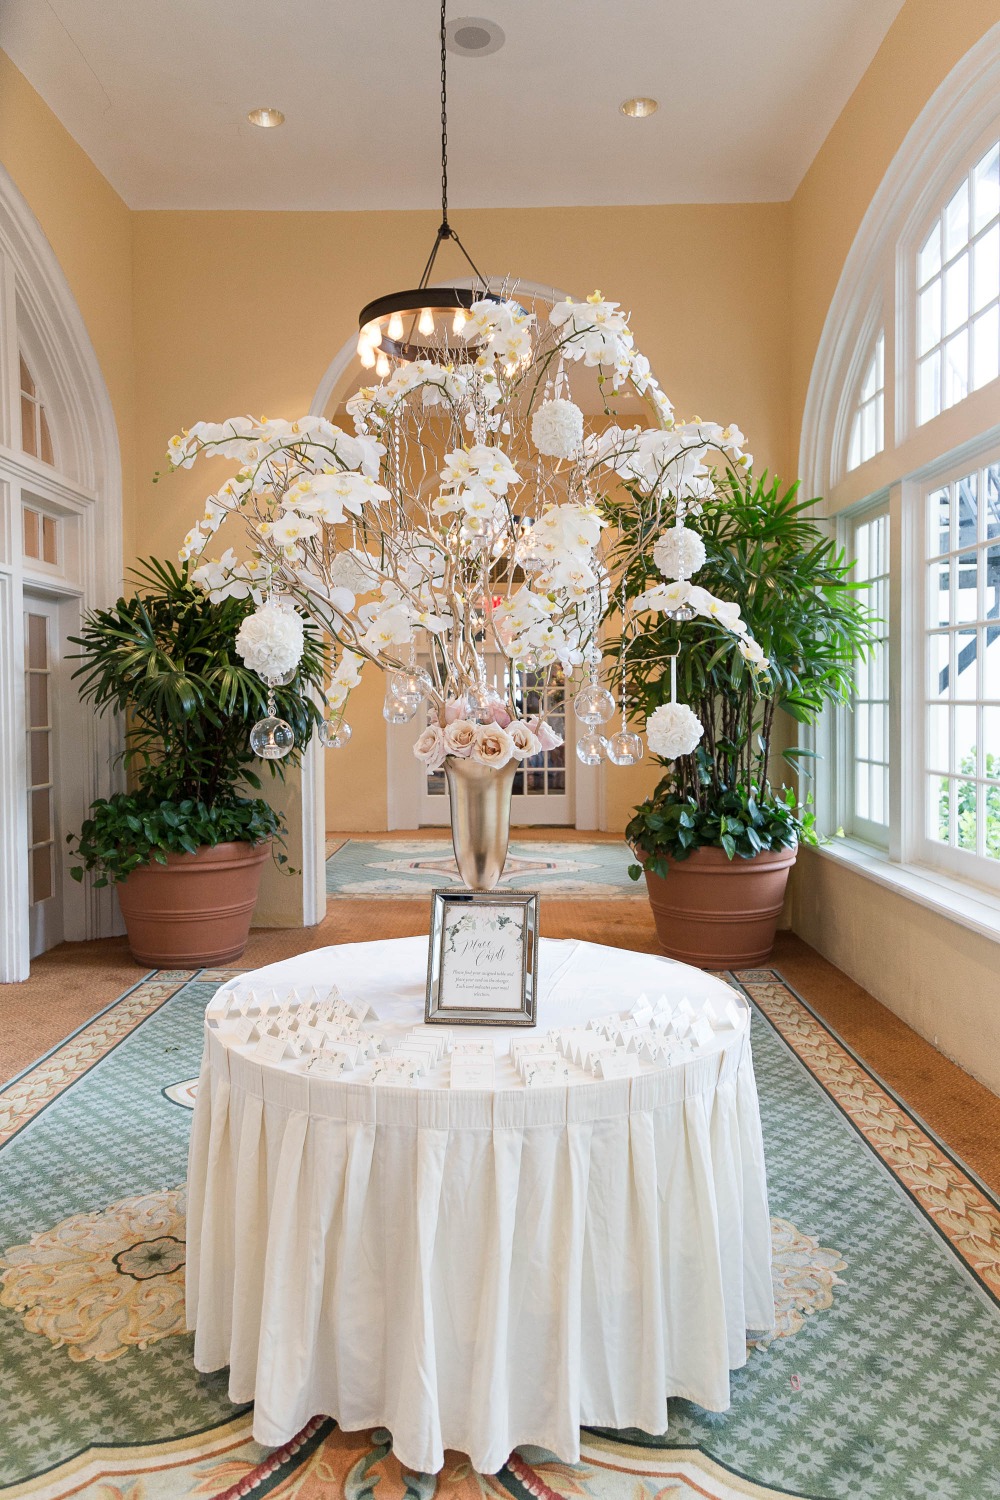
{"type": "Point", "coordinates": [185, 844]}
{"type": "Point", "coordinates": [716, 839]}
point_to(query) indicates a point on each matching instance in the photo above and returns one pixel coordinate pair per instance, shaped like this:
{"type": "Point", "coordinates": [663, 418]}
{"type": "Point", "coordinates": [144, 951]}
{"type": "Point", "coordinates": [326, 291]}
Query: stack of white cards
{"type": "Point", "coordinates": [424, 1048]}
{"type": "Point", "coordinates": [473, 1065]}
{"type": "Point", "coordinates": [539, 1061]}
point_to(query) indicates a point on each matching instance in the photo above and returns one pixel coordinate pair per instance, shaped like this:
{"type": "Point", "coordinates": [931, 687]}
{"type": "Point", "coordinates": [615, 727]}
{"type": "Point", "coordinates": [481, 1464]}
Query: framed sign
{"type": "Point", "coordinates": [482, 960]}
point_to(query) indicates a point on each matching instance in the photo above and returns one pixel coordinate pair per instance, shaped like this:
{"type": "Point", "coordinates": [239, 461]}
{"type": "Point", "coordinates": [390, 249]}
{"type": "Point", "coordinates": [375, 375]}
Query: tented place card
{"type": "Point", "coordinates": [470, 1070]}
{"type": "Point", "coordinates": [482, 968]}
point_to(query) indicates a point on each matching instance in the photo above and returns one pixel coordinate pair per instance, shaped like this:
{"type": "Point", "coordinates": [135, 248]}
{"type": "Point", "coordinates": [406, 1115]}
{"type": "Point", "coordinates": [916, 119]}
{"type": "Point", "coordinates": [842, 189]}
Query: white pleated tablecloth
{"type": "Point", "coordinates": [477, 1270]}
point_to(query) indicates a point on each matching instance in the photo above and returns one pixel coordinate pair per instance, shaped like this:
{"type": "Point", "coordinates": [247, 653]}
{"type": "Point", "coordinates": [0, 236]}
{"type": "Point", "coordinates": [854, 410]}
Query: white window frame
{"type": "Point", "coordinates": [878, 288]}
{"type": "Point", "coordinates": [844, 749]}
{"type": "Point", "coordinates": [856, 408]}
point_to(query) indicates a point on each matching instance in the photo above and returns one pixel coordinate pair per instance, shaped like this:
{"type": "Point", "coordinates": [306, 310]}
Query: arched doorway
{"type": "Point", "coordinates": [60, 555]}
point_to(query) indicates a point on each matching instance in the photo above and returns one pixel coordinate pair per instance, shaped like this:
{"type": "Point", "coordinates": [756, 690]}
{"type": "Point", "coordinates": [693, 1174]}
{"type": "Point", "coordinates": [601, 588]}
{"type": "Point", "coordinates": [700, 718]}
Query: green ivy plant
{"type": "Point", "coordinates": [795, 592]}
{"type": "Point", "coordinates": [165, 659]}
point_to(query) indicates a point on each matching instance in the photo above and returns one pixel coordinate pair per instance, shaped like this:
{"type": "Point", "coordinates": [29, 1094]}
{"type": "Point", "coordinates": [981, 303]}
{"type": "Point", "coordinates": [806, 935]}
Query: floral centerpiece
{"type": "Point", "coordinates": [468, 512]}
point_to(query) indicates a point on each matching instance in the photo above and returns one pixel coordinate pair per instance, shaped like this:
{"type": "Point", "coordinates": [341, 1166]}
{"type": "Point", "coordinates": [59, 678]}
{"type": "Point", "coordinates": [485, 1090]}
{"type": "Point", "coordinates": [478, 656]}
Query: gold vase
{"type": "Point", "coordinates": [480, 819]}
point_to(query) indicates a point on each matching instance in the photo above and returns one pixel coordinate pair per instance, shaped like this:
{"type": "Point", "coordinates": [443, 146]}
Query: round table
{"type": "Point", "coordinates": [478, 1269]}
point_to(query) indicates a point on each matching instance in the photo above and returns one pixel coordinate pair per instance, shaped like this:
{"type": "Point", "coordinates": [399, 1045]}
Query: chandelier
{"type": "Point", "coordinates": [425, 322]}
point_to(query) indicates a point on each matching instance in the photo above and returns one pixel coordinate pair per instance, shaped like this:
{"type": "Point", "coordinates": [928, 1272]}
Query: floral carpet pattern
{"type": "Point", "coordinates": [412, 867]}
{"type": "Point", "coordinates": [881, 1381]}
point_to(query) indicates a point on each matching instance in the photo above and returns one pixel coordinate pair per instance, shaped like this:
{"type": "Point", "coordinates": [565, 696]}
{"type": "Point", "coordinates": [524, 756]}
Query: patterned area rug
{"type": "Point", "coordinates": [882, 1381]}
{"type": "Point", "coordinates": [412, 867]}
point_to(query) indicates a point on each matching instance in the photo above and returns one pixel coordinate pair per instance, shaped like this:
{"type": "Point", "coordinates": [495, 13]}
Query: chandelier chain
{"type": "Point", "coordinates": [444, 117]}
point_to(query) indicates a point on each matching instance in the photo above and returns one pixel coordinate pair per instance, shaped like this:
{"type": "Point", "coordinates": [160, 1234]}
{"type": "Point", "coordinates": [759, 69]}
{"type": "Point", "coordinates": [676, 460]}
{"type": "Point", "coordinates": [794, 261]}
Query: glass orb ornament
{"type": "Point", "coordinates": [272, 738]}
{"type": "Point", "coordinates": [334, 734]}
{"type": "Point", "coordinates": [477, 703]}
{"type": "Point", "coordinates": [283, 680]}
{"type": "Point", "coordinates": [625, 748]}
{"type": "Point", "coordinates": [590, 748]}
{"type": "Point", "coordinates": [593, 704]}
{"type": "Point", "coordinates": [396, 710]}
{"type": "Point", "coordinates": [414, 682]}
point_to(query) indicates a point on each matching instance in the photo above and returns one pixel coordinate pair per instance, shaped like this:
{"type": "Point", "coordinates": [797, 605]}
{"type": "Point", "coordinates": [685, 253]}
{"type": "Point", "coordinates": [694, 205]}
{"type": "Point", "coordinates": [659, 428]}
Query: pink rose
{"type": "Point", "coordinates": [452, 710]}
{"type": "Point", "coordinates": [493, 746]}
{"type": "Point", "coordinates": [430, 747]}
{"type": "Point", "coordinates": [547, 737]}
{"type": "Point", "coordinates": [459, 737]}
{"type": "Point", "coordinates": [500, 715]}
{"type": "Point", "coordinates": [524, 740]}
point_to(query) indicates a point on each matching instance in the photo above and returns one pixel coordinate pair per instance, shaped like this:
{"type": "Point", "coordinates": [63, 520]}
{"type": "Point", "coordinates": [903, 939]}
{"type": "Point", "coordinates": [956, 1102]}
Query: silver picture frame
{"type": "Point", "coordinates": [479, 973]}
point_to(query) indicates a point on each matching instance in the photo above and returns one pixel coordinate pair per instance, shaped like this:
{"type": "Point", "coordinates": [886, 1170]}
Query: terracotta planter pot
{"type": "Point", "coordinates": [195, 909]}
{"type": "Point", "coordinates": [720, 913]}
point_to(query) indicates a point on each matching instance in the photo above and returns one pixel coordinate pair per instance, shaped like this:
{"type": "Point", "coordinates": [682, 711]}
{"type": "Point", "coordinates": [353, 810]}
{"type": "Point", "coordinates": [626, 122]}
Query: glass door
{"type": "Point", "coordinates": [41, 655]}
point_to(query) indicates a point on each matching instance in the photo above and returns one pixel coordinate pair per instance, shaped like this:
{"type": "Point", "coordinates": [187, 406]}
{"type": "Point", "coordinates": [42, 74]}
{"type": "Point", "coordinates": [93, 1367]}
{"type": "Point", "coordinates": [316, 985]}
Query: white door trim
{"type": "Point", "coordinates": [34, 291]}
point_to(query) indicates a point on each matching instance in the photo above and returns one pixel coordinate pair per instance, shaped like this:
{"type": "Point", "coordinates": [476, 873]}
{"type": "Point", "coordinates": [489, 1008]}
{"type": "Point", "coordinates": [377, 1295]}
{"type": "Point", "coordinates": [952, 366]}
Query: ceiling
{"type": "Point", "coordinates": [157, 93]}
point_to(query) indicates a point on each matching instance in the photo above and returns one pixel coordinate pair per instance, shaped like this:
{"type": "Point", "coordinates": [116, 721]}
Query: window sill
{"type": "Point", "coordinates": [968, 905]}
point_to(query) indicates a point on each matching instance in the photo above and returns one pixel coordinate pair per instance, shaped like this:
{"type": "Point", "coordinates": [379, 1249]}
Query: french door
{"type": "Point", "coordinates": [543, 786]}
{"type": "Point", "coordinates": [42, 655]}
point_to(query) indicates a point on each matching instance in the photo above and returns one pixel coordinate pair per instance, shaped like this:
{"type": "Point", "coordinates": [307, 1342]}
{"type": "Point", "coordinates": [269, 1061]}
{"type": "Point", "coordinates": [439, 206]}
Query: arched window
{"type": "Point", "coordinates": [36, 437]}
{"type": "Point", "coordinates": [958, 292]}
{"type": "Point", "coordinates": [868, 423]}
{"type": "Point", "coordinates": [901, 434]}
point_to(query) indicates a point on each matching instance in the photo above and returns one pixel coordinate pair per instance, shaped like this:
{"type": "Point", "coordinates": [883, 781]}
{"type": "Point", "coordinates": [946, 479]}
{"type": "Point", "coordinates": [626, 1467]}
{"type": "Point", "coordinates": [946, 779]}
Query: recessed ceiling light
{"type": "Point", "coordinates": [474, 36]}
{"type": "Point", "coordinates": [638, 109]}
{"type": "Point", "coordinates": [267, 119]}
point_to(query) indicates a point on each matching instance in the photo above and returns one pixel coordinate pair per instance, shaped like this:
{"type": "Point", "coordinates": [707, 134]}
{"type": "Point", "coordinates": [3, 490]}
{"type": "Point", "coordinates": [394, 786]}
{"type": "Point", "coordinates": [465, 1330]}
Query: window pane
{"type": "Point", "coordinates": [986, 188]}
{"type": "Point", "coordinates": [41, 816]}
{"type": "Point", "coordinates": [929, 317]}
{"type": "Point", "coordinates": [37, 627]}
{"type": "Point", "coordinates": [965, 739]}
{"type": "Point", "coordinates": [28, 443]}
{"type": "Point", "coordinates": [938, 666]}
{"type": "Point", "coordinates": [929, 259]}
{"type": "Point", "coordinates": [939, 593]}
{"type": "Point", "coordinates": [991, 664]}
{"type": "Point", "coordinates": [938, 742]}
{"type": "Point", "coordinates": [38, 699]}
{"type": "Point", "coordinates": [868, 384]}
{"type": "Point", "coordinates": [32, 534]}
{"type": "Point", "coordinates": [940, 507]}
{"type": "Point", "coordinates": [986, 347]}
{"type": "Point", "coordinates": [48, 539]}
{"type": "Point", "coordinates": [27, 384]}
{"type": "Point", "coordinates": [967, 815]}
{"type": "Point", "coordinates": [968, 510]}
{"type": "Point", "coordinates": [991, 743]}
{"type": "Point", "coordinates": [986, 269]}
{"type": "Point", "coordinates": [993, 501]}
{"type": "Point", "coordinates": [45, 448]}
{"type": "Point", "coordinates": [854, 447]}
{"type": "Point", "coordinates": [38, 757]}
{"type": "Point", "coordinates": [940, 808]}
{"type": "Point", "coordinates": [956, 222]}
{"type": "Point", "coordinates": [967, 592]}
{"type": "Point", "coordinates": [956, 294]}
{"type": "Point", "coordinates": [956, 368]}
{"type": "Point", "coordinates": [929, 387]}
{"type": "Point", "coordinates": [880, 362]}
{"type": "Point", "coordinates": [966, 672]}
{"type": "Point", "coordinates": [868, 434]}
{"type": "Point", "coordinates": [41, 874]}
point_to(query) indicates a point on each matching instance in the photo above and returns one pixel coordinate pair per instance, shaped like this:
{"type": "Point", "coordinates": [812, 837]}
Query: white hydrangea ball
{"type": "Point", "coordinates": [679, 552]}
{"type": "Point", "coordinates": [673, 730]}
{"type": "Point", "coordinates": [270, 641]}
{"type": "Point", "coordinates": [557, 429]}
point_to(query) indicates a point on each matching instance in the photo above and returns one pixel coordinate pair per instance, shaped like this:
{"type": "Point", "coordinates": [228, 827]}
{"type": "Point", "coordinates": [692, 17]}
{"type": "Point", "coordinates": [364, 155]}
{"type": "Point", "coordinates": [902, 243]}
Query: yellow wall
{"type": "Point", "coordinates": [244, 311]}
{"type": "Point", "coordinates": [90, 231]}
{"type": "Point", "coordinates": [938, 976]}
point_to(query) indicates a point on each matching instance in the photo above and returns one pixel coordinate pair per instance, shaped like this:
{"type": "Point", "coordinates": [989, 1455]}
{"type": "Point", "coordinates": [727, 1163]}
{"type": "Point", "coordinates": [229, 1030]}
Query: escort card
{"type": "Point", "coordinates": [272, 1048]}
{"type": "Point", "coordinates": [395, 1070]}
{"type": "Point", "coordinates": [701, 1031]}
{"type": "Point", "coordinates": [246, 1031]}
{"type": "Point", "coordinates": [472, 1070]}
{"type": "Point", "coordinates": [329, 1064]}
{"type": "Point", "coordinates": [472, 1049]}
{"type": "Point", "coordinates": [544, 1070]}
{"type": "Point", "coordinates": [615, 1065]}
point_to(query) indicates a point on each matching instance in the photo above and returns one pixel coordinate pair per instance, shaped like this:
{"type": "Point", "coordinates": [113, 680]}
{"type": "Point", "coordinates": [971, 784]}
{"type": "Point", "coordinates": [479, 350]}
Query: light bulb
{"type": "Point", "coordinates": [459, 321]}
{"type": "Point", "coordinates": [367, 354]}
{"type": "Point", "coordinates": [382, 367]}
{"type": "Point", "coordinates": [373, 333]}
{"type": "Point", "coordinates": [395, 327]}
{"type": "Point", "coordinates": [426, 322]}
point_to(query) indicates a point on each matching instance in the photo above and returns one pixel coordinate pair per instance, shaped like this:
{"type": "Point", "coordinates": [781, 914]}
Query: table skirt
{"type": "Point", "coordinates": [476, 1271]}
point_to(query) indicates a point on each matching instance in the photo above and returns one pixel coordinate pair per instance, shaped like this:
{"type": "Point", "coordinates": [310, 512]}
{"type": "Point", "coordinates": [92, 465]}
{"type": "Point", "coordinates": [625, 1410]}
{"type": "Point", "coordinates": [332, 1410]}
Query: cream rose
{"type": "Point", "coordinates": [459, 737]}
{"type": "Point", "coordinates": [430, 747]}
{"type": "Point", "coordinates": [493, 746]}
{"type": "Point", "coordinates": [524, 740]}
